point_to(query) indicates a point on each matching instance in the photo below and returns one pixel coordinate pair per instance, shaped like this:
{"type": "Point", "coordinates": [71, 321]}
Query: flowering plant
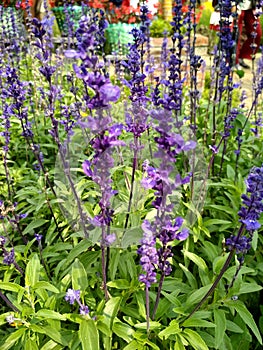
{"type": "Point", "coordinates": [58, 3]}
{"type": "Point", "coordinates": [116, 14]}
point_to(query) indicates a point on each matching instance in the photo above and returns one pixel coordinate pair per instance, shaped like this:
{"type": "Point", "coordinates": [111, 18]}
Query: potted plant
{"type": "Point", "coordinates": [122, 19]}
{"type": "Point", "coordinates": [67, 13]}
{"type": "Point", "coordinates": [11, 18]}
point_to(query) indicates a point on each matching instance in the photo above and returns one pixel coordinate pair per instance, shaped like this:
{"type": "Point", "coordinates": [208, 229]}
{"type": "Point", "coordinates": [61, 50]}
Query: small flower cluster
{"type": "Point", "coordinates": [249, 213]}
{"type": "Point", "coordinates": [74, 295]}
{"type": "Point", "coordinates": [9, 256]}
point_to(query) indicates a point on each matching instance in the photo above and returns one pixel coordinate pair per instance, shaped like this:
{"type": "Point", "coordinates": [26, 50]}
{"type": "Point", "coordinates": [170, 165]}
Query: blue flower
{"type": "Point", "coordinates": [72, 296]}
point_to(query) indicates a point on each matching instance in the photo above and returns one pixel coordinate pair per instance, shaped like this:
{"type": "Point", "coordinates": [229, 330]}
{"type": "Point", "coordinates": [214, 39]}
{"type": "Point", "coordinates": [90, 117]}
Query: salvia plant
{"type": "Point", "coordinates": [131, 188]}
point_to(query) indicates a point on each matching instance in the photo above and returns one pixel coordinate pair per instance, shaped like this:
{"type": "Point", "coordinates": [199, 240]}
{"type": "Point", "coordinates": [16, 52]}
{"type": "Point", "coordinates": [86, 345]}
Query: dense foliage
{"type": "Point", "coordinates": [131, 191]}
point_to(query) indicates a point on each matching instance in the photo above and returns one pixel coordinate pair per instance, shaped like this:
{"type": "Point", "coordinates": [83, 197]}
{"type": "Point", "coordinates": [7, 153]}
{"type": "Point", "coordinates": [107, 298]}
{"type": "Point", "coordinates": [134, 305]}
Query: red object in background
{"type": "Point", "coordinates": [24, 3]}
{"type": "Point", "coordinates": [126, 3]}
{"type": "Point", "coordinates": [18, 3]}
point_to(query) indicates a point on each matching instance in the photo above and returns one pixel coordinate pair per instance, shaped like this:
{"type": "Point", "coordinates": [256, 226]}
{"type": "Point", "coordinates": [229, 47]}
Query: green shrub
{"type": "Point", "coordinates": [158, 27]}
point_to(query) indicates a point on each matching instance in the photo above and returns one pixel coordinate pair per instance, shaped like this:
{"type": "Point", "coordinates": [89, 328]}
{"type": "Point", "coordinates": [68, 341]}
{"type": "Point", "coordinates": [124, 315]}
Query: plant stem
{"type": "Point", "coordinates": [157, 300]}
{"type": "Point", "coordinates": [134, 165]}
{"type": "Point", "coordinates": [147, 301]}
{"type": "Point", "coordinates": [219, 276]}
{"type": "Point", "coordinates": [8, 302]}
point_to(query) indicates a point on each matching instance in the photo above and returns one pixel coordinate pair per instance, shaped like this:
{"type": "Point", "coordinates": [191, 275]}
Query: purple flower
{"type": "Point", "coordinates": [38, 237]}
{"type": "Point", "coordinates": [2, 241]}
{"type": "Point", "coordinates": [86, 166]}
{"type": "Point", "coordinates": [110, 239]}
{"type": "Point", "coordinates": [241, 244]}
{"type": "Point", "coordinates": [84, 310]}
{"type": "Point", "coordinates": [109, 92]}
{"type": "Point", "coordinates": [72, 296]}
{"type": "Point", "coordinates": [149, 257]}
{"type": "Point", "coordinates": [9, 257]}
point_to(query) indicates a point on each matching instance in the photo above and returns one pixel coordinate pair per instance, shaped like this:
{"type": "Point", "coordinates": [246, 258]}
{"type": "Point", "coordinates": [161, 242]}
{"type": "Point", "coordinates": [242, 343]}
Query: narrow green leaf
{"type": "Point", "coordinates": [89, 335]}
{"type": "Point", "coordinates": [12, 339]}
{"type": "Point", "coordinates": [134, 345]}
{"type": "Point", "coordinates": [11, 287]}
{"type": "Point", "coordinates": [51, 314]}
{"type": "Point", "coordinates": [123, 331]}
{"type": "Point", "coordinates": [32, 271]}
{"type": "Point", "coordinates": [79, 276]}
{"type": "Point", "coordinates": [110, 311]}
{"type": "Point", "coordinates": [247, 288]}
{"type": "Point", "coordinates": [143, 325]}
{"type": "Point", "coordinates": [119, 284]}
{"type": "Point", "coordinates": [51, 345]}
{"type": "Point", "coordinates": [194, 339]}
{"type": "Point", "coordinates": [190, 277]}
{"type": "Point", "coordinates": [197, 322]}
{"type": "Point", "coordinates": [141, 305]}
{"type": "Point", "coordinates": [211, 222]}
{"type": "Point", "coordinates": [34, 224]}
{"type": "Point", "coordinates": [172, 329]}
{"type": "Point", "coordinates": [30, 344]}
{"type": "Point", "coordinates": [179, 344]}
{"type": "Point", "coordinates": [196, 296]}
{"type": "Point", "coordinates": [220, 322]}
{"type": "Point", "coordinates": [247, 318]}
{"type": "Point", "coordinates": [46, 285]}
{"type": "Point", "coordinates": [50, 332]}
{"type": "Point", "coordinates": [232, 327]}
{"type": "Point", "coordinates": [77, 250]}
{"type": "Point", "coordinates": [197, 260]}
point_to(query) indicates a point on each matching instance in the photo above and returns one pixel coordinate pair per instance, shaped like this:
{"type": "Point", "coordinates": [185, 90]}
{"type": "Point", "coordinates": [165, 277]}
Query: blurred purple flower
{"type": "Point", "coordinates": [72, 296]}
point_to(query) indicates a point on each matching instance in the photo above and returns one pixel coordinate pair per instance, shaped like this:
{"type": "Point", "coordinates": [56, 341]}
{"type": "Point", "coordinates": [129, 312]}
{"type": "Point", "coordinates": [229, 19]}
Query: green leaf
{"type": "Point", "coordinates": [197, 322]}
{"type": "Point", "coordinates": [32, 271]}
{"type": "Point", "coordinates": [232, 327]}
{"type": "Point", "coordinates": [172, 329]}
{"type": "Point", "coordinates": [196, 296]}
{"type": "Point", "coordinates": [50, 332]}
{"type": "Point", "coordinates": [79, 276]}
{"type": "Point", "coordinates": [143, 325]}
{"type": "Point", "coordinates": [218, 263]}
{"type": "Point", "coordinates": [51, 314]}
{"type": "Point", "coordinates": [51, 345]}
{"type": "Point", "coordinates": [247, 288]}
{"type": "Point", "coordinates": [123, 331]}
{"type": "Point", "coordinates": [77, 250]}
{"type": "Point", "coordinates": [211, 222]}
{"type": "Point", "coordinates": [46, 285]}
{"type": "Point", "coordinates": [172, 297]}
{"type": "Point", "coordinates": [89, 335]}
{"type": "Point", "coordinates": [12, 287]}
{"type": "Point", "coordinates": [134, 345]}
{"type": "Point", "coordinates": [254, 242]}
{"type": "Point", "coordinates": [194, 339]}
{"type": "Point", "coordinates": [190, 277]}
{"type": "Point", "coordinates": [12, 339]}
{"type": "Point", "coordinates": [110, 311]}
{"type": "Point", "coordinates": [119, 284]}
{"type": "Point", "coordinates": [34, 224]}
{"type": "Point", "coordinates": [140, 305]}
{"type": "Point", "coordinates": [30, 344]}
{"type": "Point", "coordinates": [197, 260]}
{"type": "Point", "coordinates": [179, 344]}
{"type": "Point", "coordinates": [220, 322]}
{"type": "Point", "coordinates": [247, 318]}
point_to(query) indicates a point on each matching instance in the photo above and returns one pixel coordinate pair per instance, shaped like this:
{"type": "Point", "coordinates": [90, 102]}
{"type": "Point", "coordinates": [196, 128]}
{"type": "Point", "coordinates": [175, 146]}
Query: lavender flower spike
{"type": "Point", "coordinates": [149, 256]}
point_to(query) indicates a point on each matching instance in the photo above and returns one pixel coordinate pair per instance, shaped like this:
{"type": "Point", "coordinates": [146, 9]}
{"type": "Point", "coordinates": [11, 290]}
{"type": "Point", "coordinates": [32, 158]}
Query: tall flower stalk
{"type": "Point", "coordinates": [166, 227]}
{"type": "Point", "coordinates": [249, 214]}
